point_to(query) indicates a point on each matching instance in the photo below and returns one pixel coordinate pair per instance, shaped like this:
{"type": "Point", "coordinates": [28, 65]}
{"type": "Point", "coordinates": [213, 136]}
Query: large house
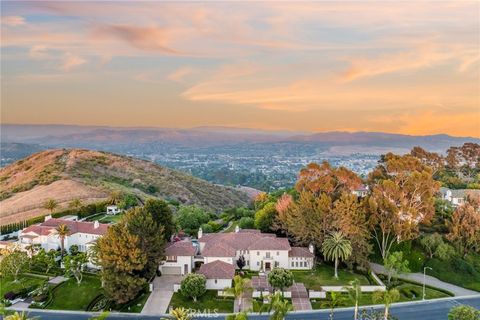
{"type": "Point", "coordinates": [216, 255]}
{"type": "Point", "coordinates": [457, 197]}
{"type": "Point", "coordinates": [82, 234]}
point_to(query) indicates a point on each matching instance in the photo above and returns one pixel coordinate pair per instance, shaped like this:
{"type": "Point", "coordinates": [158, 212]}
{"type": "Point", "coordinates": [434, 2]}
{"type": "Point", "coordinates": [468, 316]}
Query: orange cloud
{"type": "Point", "coordinates": [71, 61]}
{"type": "Point", "coordinates": [180, 74]}
{"type": "Point", "coordinates": [13, 21]}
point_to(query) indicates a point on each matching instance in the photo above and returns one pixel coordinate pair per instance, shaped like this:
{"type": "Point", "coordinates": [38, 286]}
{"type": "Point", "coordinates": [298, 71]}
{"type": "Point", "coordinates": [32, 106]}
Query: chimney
{"type": "Point", "coordinates": [311, 248]}
{"type": "Point", "coordinates": [200, 233]}
{"type": "Point", "coordinates": [96, 224]}
{"type": "Point", "coordinates": [48, 217]}
{"type": "Point", "coordinates": [237, 228]}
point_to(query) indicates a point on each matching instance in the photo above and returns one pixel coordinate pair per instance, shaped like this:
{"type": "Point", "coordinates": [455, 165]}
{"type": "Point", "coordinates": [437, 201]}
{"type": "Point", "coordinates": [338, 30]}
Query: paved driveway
{"type": "Point", "coordinates": [159, 299]}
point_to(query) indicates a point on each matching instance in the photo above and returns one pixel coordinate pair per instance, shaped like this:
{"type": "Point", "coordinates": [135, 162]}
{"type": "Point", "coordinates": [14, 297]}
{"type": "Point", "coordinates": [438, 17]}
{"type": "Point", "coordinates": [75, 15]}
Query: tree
{"type": "Point", "coordinates": [240, 286]}
{"type": "Point", "coordinates": [51, 205]}
{"type": "Point", "coordinates": [354, 294]}
{"type": "Point", "coordinates": [74, 265]}
{"type": "Point", "coordinates": [102, 316]}
{"type": "Point", "coordinates": [190, 218]}
{"type": "Point", "coordinates": [280, 278]}
{"type": "Point", "coordinates": [395, 264]}
{"type": "Point", "coordinates": [445, 252]}
{"type": "Point", "coordinates": [241, 262]}
{"type": "Point", "coordinates": [62, 231]}
{"type": "Point", "coordinates": [115, 197]}
{"type": "Point", "coordinates": [75, 203]}
{"type": "Point", "coordinates": [463, 312]}
{"type": "Point", "coordinates": [45, 260]}
{"type": "Point", "coordinates": [13, 263]}
{"type": "Point", "coordinates": [193, 286]}
{"type": "Point", "coordinates": [280, 307]}
{"type": "Point", "coordinates": [402, 197]}
{"type": "Point", "coordinates": [181, 314]}
{"type": "Point", "coordinates": [335, 300]}
{"type": "Point", "coordinates": [265, 217]}
{"type": "Point", "coordinates": [19, 316]}
{"type": "Point", "coordinates": [464, 229]}
{"type": "Point", "coordinates": [431, 242]}
{"type": "Point", "coordinates": [386, 298]}
{"type": "Point", "coordinates": [336, 247]}
{"type": "Point", "coordinates": [246, 223]}
{"type": "Point", "coordinates": [161, 214]}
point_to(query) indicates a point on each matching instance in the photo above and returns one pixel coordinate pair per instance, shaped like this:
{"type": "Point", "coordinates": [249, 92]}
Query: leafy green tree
{"type": "Point", "coordinates": [265, 217]}
{"type": "Point", "coordinates": [50, 204]}
{"type": "Point", "coordinates": [336, 247]}
{"type": "Point", "coordinates": [190, 218]}
{"type": "Point", "coordinates": [464, 312]}
{"type": "Point", "coordinates": [445, 252]}
{"type": "Point", "coordinates": [395, 264]}
{"type": "Point", "coordinates": [206, 228]}
{"type": "Point", "coordinates": [193, 286]}
{"type": "Point", "coordinates": [355, 294]}
{"type": "Point", "coordinates": [13, 263]}
{"type": "Point", "coordinates": [431, 242]}
{"type": "Point", "coordinates": [73, 250]}
{"type": "Point", "coordinates": [335, 300]}
{"type": "Point", "coordinates": [246, 223]}
{"type": "Point", "coordinates": [240, 286]}
{"type": "Point", "coordinates": [74, 265]}
{"type": "Point", "coordinates": [75, 204]}
{"type": "Point", "coordinates": [241, 262]}
{"type": "Point", "coordinates": [162, 215]}
{"type": "Point", "coordinates": [280, 307]}
{"type": "Point", "coordinates": [386, 298]}
{"type": "Point", "coordinates": [45, 260]}
{"type": "Point", "coordinates": [62, 232]}
{"type": "Point", "coordinates": [128, 201]}
{"type": "Point", "coordinates": [280, 278]}
{"type": "Point", "coordinates": [115, 197]}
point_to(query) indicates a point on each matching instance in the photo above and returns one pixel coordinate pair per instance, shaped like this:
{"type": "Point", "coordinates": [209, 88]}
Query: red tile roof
{"type": "Point", "coordinates": [217, 270]}
{"type": "Point", "coordinates": [49, 226]}
{"type": "Point", "coordinates": [300, 252]}
{"type": "Point", "coordinates": [180, 248]}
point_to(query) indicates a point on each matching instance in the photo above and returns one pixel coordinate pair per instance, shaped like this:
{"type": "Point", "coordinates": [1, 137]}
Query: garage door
{"type": "Point", "coordinates": [172, 270]}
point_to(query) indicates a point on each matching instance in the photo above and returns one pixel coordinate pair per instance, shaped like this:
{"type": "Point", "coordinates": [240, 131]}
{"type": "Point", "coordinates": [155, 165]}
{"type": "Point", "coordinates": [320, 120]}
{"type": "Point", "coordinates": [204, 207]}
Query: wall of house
{"type": "Point", "coordinates": [224, 259]}
{"type": "Point", "coordinates": [79, 239]}
{"type": "Point", "coordinates": [181, 262]}
{"type": "Point", "coordinates": [298, 263]}
{"type": "Point", "coordinates": [279, 256]}
{"type": "Point", "coordinates": [218, 284]}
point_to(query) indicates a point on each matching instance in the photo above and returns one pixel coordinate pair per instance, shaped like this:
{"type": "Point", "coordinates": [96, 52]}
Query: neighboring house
{"type": "Point", "coordinates": [457, 197]}
{"type": "Point", "coordinates": [361, 191]}
{"type": "Point", "coordinates": [113, 210]}
{"type": "Point", "coordinates": [82, 234]}
{"type": "Point", "coordinates": [219, 274]}
{"type": "Point", "coordinates": [261, 251]}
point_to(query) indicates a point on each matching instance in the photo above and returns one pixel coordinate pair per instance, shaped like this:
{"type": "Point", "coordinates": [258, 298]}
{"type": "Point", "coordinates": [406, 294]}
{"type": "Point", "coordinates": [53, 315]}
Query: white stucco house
{"type": "Point", "coordinates": [83, 234]}
{"type": "Point", "coordinates": [457, 197]}
{"type": "Point", "coordinates": [113, 210]}
{"type": "Point", "coordinates": [361, 191]}
{"type": "Point", "coordinates": [221, 251]}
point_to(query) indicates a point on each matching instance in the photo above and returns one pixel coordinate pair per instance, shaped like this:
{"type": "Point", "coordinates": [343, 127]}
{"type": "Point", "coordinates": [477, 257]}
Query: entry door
{"type": "Point", "coordinates": [267, 265]}
{"type": "Point", "coordinates": [185, 268]}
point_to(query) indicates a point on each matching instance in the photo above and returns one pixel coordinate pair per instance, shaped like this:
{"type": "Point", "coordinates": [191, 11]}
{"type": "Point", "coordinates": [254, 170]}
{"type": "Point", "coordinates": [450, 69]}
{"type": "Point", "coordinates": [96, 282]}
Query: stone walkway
{"type": "Point", "coordinates": [429, 280]}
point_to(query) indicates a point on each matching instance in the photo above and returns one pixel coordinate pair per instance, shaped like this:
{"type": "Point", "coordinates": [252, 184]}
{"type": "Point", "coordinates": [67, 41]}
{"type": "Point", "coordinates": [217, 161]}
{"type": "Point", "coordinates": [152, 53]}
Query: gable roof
{"type": "Point", "coordinates": [217, 270]}
{"type": "Point", "coordinates": [180, 248]}
{"type": "Point", "coordinates": [49, 226]}
{"type": "Point", "coordinates": [300, 252]}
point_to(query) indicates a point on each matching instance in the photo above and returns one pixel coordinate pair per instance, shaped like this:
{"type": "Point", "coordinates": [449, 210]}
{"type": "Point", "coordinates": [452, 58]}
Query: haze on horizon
{"type": "Point", "coordinates": [399, 67]}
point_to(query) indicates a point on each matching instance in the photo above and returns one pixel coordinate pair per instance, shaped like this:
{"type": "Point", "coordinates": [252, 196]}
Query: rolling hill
{"type": "Point", "coordinates": [66, 174]}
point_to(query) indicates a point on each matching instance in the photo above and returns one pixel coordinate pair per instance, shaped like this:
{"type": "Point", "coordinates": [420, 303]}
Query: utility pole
{"type": "Point", "coordinates": [424, 270]}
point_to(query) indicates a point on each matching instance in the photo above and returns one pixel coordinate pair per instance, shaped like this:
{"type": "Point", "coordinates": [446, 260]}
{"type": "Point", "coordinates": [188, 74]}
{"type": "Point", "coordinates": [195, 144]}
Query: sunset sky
{"type": "Point", "coordinates": [404, 67]}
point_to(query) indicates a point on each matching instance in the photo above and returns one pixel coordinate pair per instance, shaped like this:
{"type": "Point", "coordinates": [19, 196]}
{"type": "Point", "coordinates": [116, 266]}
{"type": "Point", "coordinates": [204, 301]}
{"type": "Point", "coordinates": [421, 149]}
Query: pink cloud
{"type": "Point", "coordinates": [71, 61]}
{"type": "Point", "coordinates": [13, 21]}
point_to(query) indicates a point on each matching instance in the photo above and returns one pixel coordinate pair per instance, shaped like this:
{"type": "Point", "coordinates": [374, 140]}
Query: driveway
{"type": "Point", "coordinates": [159, 299]}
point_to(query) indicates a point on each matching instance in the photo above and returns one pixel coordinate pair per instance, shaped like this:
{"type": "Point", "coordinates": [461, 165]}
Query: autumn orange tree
{"type": "Point", "coordinates": [464, 229]}
{"type": "Point", "coordinates": [402, 198]}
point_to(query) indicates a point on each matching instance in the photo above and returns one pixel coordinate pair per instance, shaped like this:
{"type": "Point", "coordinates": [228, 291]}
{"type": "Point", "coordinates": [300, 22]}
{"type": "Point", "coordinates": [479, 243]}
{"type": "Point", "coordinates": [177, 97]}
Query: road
{"type": "Point", "coordinates": [419, 310]}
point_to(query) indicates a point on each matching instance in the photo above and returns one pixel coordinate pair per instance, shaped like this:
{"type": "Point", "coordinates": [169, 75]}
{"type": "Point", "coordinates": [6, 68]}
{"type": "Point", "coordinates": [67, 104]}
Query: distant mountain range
{"type": "Point", "coordinates": [86, 136]}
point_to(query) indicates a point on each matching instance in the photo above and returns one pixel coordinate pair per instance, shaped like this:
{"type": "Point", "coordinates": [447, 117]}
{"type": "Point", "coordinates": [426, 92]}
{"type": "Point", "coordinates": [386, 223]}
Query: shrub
{"type": "Point", "coordinates": [10, 295]}
{"type": "Point", "coordinates": [246, 223]}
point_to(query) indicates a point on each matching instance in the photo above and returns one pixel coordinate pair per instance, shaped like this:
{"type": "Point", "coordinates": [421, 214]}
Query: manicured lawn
{"type": "Point", "coordinates": [232, 227]}
{"type": "Point", "coordinates": [208, 302]}
{"type": "Point", "coordinates": [366, 298]}
{"type": "Point", "coordinates": [137, 304]}
{"type": "Point", "coordinates": [70, 296]}
{"type": "Point", "coordinates": [24, 281]}
{"type": "Point", "coordinates": [106, 218]}
{"type": "Point", "coordinates": [464, 273]}
{"type": "Point", "coordinates": [323, 275]}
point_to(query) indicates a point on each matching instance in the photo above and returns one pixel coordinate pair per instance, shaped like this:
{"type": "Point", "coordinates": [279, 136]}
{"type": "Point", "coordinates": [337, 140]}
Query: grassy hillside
{"type": "Point", "coordinates": [96, 174]}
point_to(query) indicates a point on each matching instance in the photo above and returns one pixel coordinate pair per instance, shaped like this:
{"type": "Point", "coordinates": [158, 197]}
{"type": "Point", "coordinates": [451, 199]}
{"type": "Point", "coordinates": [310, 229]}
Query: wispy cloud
{"type": "Point", "coordinates": [180, 74]}
{"type": "Point", "coordinates": [13, 21]}
{"type": "Point", "coordinates": [71, 61]}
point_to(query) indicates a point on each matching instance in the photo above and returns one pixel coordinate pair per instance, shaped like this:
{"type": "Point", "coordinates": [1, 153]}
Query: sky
{"type": "Point", "coordinates": [410, 67]}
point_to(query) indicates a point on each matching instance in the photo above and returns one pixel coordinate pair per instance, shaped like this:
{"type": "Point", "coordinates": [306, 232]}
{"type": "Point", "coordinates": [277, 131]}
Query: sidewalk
{"type": "Point", "coordinates": [429, 280]}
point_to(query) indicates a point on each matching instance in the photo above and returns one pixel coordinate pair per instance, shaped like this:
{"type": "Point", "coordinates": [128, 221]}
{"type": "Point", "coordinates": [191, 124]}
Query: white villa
{"type": "Point", "coordinates": [217, 255]}
{"type": "Point", "coordinates": [82, 234]}
{"type": "Point", "coordinates": [457, 197]}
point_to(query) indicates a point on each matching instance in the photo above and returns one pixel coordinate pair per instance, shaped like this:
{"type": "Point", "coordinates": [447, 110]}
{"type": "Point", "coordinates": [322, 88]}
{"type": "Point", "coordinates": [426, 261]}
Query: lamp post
{"type": "Point", "coordinates": [424, 270]}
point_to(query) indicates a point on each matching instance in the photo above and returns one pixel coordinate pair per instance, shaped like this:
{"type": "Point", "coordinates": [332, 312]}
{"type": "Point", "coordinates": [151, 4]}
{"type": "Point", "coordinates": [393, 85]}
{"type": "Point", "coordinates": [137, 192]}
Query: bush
{"type": "Point", "coordinates": [40, 298]}
{"type": "Point", "coordinates": [10, 295]}
{"type": "Point", "coordinates": [246, 223]}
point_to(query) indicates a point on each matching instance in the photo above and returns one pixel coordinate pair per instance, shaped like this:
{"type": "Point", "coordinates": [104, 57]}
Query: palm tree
{"type": "Point", "coordinates": [75, 203]}
{"type": "Point", "coordinates": [335, 300]}
{"type": "Point", "coordinates": [336, 247]}
{"type": "Point", "coordinates": [354, 293]}
{"type": "Point", "coordinates": [387, 298]}
{"type": "Point", "coordinates": [181, 314]}
{"type": "Point", "coordinates": [19, 316]}
{"type": "Point", "coordinates": [280, 307]}
{"type": "Point", "coordinates": [115, 197]}
{"type": "Point", "coordinates": [240, 286]}
{"type": "Point", "coordinates": [51, 205]}
{"type": "Point", "coordinates": [62, 232]}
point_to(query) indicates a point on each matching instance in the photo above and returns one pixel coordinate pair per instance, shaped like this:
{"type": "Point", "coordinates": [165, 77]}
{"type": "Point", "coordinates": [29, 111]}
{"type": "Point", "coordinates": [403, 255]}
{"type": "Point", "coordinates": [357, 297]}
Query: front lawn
{"type": "Point", "coordinates": [209, 302]}
{"type": "Point", "coordinates": [408, 292]}
{"type": "Point", "coordinates": [24, 281]}
{"type": "Point", "coordinates": [106, 218]}
{"type": "Point", "coordinates": [462, 272]}
{"type": "Point", "coordinates": [70, 296]}
{"type": "Point", "coordinates": [323, 275]}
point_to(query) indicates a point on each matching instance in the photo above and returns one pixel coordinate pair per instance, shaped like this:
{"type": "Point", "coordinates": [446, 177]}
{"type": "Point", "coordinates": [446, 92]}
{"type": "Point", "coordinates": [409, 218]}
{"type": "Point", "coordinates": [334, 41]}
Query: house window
{"type": "Point", "coordinates": [248, 262]}
{"type": "Point", "coordinates": [215, 281]}
{"type": "Point", "coordinates": [258, 263]}
{"type": "Point", "coordinates": [278, 253]}
{"type": "Point", "coordinates": [258, 253]}
{"type": "Point", "coordinates": [296, 264]}
{"type": "Point", "coordinates": [276, 264]}
{"type": "Point", "coordinates": [268, 254]}
{"type": "Point", "coordinates": [293, 264]}
{"type": "Point", "coordinates": [171, 258]}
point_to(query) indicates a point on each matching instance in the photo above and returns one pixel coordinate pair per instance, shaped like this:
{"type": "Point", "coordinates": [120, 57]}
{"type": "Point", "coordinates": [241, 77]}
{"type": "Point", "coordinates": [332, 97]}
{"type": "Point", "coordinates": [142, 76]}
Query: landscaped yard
{"type": "Point", "coordinates": [70, 296]}
{"type": "Point", "coordinates": [24, 281]}
{"type": "Point", "coordinates": [106, 218]}
{"type": "Point", "coordinates": [137, 304]}
{"type": "Point", "coordinates": [323, 275]}
{"type": "Point", "coordinates": [209, 301]}
{"type": "Point", "coordinates": [462, 272]}
{"type": "Point", "coordinates": [406, 294]}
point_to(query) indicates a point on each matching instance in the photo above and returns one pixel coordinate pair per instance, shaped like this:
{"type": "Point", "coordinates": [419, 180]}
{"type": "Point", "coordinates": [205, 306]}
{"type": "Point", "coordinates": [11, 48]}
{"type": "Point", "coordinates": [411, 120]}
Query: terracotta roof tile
{"type": "Point", "coordinates": [217, 270]}
{"type": "Point", "coordinates": [300, 252]}
{"type": "Point", "coordinates": [49, 226]}
{"type": "Point", "coordinates": [180, 248]}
